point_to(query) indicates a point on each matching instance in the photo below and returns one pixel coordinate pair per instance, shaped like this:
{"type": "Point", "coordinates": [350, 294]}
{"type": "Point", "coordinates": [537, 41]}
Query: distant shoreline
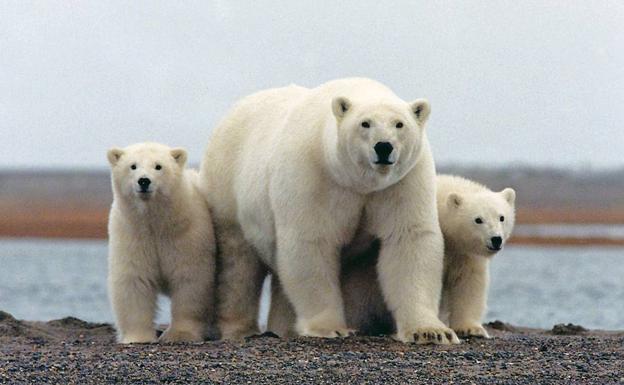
{"type": "Point", "coordinates": [90, 222]}
{"type": "Point", "coordinates": [75, 203]}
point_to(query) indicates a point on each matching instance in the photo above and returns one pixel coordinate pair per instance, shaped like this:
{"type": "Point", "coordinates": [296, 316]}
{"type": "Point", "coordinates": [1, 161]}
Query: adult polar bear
{"type": "Point", "coordinates": [292, 174]}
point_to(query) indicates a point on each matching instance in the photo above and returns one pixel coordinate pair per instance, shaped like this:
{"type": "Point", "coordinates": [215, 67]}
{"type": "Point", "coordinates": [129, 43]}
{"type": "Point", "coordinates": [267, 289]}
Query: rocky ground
{"type": "Point", "coordinates": [71, 351]}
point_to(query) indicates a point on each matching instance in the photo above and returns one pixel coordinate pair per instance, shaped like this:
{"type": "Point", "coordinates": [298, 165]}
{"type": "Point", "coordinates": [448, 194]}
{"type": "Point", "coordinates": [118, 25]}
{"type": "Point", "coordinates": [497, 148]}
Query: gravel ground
{"type": "Point", "coordinates": [71, 351]}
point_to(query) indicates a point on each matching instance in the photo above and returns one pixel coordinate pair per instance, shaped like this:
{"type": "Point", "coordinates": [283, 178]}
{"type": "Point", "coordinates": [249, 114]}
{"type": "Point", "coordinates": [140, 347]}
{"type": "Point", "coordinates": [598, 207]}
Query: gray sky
{"type": "Point", "coordinates": [538, 82]}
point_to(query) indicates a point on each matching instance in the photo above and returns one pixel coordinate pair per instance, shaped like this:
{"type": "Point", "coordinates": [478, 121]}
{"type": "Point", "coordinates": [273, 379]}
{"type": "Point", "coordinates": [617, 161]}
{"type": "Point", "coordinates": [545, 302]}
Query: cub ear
{"type": "Point", "coordinates": [421, 110]}
{"type": "Point", "coordinates": [454, 200]}
{"type": "Point", "coordinates": [510, 195]}
{"type": "Point", "coordinates": [113, 155]}
{"type": "Point", "coordinates": [180, 156]}
{"type": "Point", "coordinates": [340, 106]}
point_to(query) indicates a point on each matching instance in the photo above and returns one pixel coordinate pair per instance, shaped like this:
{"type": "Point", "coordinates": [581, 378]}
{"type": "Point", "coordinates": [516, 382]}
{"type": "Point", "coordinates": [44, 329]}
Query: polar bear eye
{"type": "Point", "coordinates": [366, 124]}
{"type": "Point", "coordinates": [399, 125]}
{"type": "Point", "coordinates": [479, 220]}
{"type": "Point", "coordinates": [502, 218]}
{"type": "Point", "coordinates": [158, 167]}
{"type": "Point", "coordinates": [133, 167]}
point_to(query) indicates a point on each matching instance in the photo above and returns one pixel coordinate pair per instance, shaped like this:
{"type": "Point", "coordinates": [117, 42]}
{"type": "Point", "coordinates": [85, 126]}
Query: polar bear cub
{"type": "Point", "coordinates": [476, 222]}
{"type": "Point", "coordinates": [160, 241]}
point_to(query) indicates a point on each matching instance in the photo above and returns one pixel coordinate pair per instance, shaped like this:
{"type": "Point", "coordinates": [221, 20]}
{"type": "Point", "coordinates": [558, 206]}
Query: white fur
{"type": "Point", "coordinates": [161, 241]}
{"type": "Point", "coordinates": [467, 254]}
{"type": "Point", "coordinates": [296, 173]}
{"type": "Point", "coordinates": [468, 247]}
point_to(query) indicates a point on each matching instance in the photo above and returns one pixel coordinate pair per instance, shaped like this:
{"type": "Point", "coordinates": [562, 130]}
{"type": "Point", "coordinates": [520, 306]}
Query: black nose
{"type": "Point", "coordinates": [383, 151]}
{"type": "Point", "coordinates": [497, 242]}
{"type": "Point", "coordinates": [144, 183]}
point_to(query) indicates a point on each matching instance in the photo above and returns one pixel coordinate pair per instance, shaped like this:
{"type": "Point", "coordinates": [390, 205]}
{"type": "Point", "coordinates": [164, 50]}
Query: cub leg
{"type": "Point", "coordinates": [133, 300]}
{"type": "Point", "coordinates": [466, 297]}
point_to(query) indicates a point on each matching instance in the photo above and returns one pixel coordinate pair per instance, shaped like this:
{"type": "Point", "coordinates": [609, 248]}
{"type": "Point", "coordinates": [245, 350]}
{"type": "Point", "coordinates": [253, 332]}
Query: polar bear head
{"type": "Point", "coordinates": [380, 139]}
{"type": "Point", "coordinates": [479, 223]}
{"type": "Point", "coordinates": [146, 171]}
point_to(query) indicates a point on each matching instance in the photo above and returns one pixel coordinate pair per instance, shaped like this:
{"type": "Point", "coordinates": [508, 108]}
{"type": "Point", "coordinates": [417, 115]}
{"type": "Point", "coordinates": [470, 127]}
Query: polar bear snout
{"type": "Point", "coordinates": [144, 184]}
{"type": "Point", "coordinates": [384, 152]}
{"type": "Point", "coordinates": [496, 243]}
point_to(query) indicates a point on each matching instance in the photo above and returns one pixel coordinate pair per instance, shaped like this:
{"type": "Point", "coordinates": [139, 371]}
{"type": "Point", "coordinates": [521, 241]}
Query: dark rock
{"type": "Point", "coordinates": [9, 326]}
{"type": "Point", "coordinates": [76, 323]}
{"type": "Point", "coordinates": [568, 330]}
{"type": "Point", "coordinates": [6, 316]}
{"type": "Point", "coordinates": [263, 335]}
{"type": "Point", "coordinates": [500, 325]}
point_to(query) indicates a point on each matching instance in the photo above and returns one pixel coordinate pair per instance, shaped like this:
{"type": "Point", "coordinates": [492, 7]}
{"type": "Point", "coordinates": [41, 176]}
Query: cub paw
{"type": "Point", "coordinates": [172, 335]}
{"type": "Point", "coordinates": [327, 333]}
{"type": "Point", "coordinates": [472, 331]}
{"type": "Point", "coordinates": [429, 335]}
{"type": "Point", "coordinates": [146, 337]}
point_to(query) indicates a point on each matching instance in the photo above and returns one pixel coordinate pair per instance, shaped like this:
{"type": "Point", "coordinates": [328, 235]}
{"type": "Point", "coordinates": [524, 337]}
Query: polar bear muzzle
{"type": "Point", "coordinates": [384, 150]}
{"type": "Point", "coordinates": [144, 184]}
{"type": "Point", "coordinates": [496, 244]}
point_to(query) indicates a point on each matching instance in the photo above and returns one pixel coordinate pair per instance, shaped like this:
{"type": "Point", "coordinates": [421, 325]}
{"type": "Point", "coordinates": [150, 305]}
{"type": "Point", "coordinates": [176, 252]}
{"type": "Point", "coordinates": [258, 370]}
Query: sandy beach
{"type": "Point", "coordinates": [77, 352]}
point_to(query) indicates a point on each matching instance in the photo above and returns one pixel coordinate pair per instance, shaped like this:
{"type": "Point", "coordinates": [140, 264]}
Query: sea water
{"type": "Point", "coordinates": [530, 285]}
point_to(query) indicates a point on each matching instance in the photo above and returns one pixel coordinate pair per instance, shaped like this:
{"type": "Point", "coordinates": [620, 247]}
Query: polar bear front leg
{"type": "Point", "coordinates": [404, 218]}
{"type": "Point", "coordinates": [309, 272]}
{"type": "Point", "coordinates": [191, 305]}
{"type": "Point", "coordinates": [188, 318]}
{"type": "Point", "coordinates": [410, 275]}
{"type": "Point", "coordinates": [239, 284]}
{"type": "Point", "coordinates": [133, 300]}
{"type": "Point", "coordinates": [467, 296]}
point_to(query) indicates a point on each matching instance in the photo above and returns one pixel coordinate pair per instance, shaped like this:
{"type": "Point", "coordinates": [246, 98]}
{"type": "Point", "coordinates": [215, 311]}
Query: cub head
{"type": "Point", "coordinates": [381, 139]}
{"type": "Point", "coordinates": [146, 171]}
{"type": "Point", "coordinates": [479, 223]}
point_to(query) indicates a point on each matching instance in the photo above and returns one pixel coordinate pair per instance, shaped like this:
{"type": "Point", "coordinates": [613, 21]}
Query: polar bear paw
{"type": "Point", "coordinates": [429, 335]}
{"type": "Point", "coordinates": [327, 333]}
{"type": "Point", "coordinates": [176, 335]}
{"type": "Point", "coordinates": [468, 331]}
{"type": "Point", "coordinates": [145, 337]}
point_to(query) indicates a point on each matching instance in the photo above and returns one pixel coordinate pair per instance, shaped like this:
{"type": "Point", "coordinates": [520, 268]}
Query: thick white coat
{"type": "Point", "coordinates": [160, 241]}
{"type": "Point", "coordinates": [470, 216]}
{"type": "Point", "coordinates": [292, 176]}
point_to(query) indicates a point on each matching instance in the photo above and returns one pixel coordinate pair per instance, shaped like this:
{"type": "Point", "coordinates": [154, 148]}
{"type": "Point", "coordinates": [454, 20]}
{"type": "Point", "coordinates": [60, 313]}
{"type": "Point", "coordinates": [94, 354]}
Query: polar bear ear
{"type": "Point", "coordinates": [113, 155]}
{"type": "Point", "coordinates": [340, 106]}
{"type": "Point", "coordinates": [510, 195]}
{"type": "Point", "coordinates": [454, 200]}
{"type": "Point", "coordinates": [421, 109]}
{"type": "Point", "coordinates": [179, 155]}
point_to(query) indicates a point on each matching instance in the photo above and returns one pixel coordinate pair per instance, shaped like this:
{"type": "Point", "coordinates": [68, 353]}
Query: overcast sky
{"type": "Point", "coordinates": [537, 82]}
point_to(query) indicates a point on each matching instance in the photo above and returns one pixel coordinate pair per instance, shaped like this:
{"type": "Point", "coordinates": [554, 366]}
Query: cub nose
{"type": "Point", "coordinates": [144, 183]}
{"type": "Point", "coordinates": [497, 242]}
{"type": "Point", "coordinates": [383, 151]}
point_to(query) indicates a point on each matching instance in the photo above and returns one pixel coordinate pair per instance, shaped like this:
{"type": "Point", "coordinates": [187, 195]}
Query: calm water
{"type": "Point", "coordinates": [531, 286]}
{"type": "Point", "coordinates": [564, 230]}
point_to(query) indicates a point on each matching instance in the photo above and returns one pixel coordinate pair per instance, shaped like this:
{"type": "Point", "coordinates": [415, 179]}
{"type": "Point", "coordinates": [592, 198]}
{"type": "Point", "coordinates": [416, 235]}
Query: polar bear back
{"type": "Point", "coordinates": [276, 126]}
